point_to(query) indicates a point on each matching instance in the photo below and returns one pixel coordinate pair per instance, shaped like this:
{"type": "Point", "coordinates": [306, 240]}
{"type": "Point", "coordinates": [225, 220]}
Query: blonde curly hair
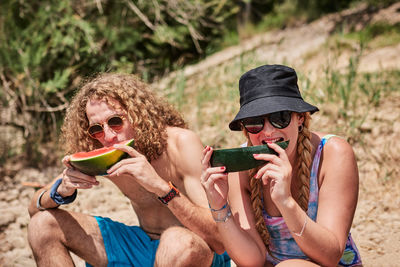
{"type": "Point", "coordinates": [304, 153]}
{"type": "Point", "coordinates": [149, 114]}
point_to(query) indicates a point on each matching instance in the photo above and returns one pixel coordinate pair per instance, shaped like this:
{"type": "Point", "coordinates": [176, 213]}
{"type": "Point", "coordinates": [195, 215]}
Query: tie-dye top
{"type": "Point", "coordinates": [282, 244]}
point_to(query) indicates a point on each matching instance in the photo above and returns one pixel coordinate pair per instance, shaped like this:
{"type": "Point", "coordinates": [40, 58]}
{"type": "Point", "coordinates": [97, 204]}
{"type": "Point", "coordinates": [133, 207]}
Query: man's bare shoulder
{"type": "Point", "coordinates": [180, 137]}
{"type": "Point", "coordinates": [185, 150]}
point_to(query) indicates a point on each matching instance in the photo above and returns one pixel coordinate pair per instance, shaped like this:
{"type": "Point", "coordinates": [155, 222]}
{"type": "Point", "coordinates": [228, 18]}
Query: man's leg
{"type": "Point", "coordinates": [55, 232]}
{"type": "Point", "coordinates": [181, 247]}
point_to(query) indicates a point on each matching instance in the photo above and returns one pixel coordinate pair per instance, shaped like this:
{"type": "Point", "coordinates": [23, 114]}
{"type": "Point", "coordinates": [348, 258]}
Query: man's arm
{"type": "Point", "coordinates": [64, 190]}
{"type": "Point", "coordinates": [45, 200]}
{"type": "Point", "coordinates": [192, 210]}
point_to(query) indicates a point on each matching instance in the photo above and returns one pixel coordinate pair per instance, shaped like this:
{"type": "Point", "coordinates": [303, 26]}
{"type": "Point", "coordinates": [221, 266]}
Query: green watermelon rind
{"type": "Point", "coordinates": [99, 164]}
{"type": "Point", "coordinates": [241, 158]}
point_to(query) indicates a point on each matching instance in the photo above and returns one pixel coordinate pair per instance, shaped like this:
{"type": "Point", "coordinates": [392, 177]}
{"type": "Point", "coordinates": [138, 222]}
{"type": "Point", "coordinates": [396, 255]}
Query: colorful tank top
{"type": "Point", "coordinates": [282, 244]}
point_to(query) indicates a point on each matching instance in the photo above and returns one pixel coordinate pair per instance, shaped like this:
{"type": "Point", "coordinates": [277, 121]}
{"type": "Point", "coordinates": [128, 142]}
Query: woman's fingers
{"type": "Point", "coordinates": [207, 170]}
{"type": "Point", "coordinates": [281, 152]}
{"type": "Point", "coordinates": [207, 152]}
{"type": "Point", "coordinates": [211, 171]}
{"type": "Point", "coordinates": [267, 158]}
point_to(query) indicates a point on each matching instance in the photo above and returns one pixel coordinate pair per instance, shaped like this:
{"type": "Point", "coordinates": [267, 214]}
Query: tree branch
{"type": "Point", "coordinates": [140, 14]}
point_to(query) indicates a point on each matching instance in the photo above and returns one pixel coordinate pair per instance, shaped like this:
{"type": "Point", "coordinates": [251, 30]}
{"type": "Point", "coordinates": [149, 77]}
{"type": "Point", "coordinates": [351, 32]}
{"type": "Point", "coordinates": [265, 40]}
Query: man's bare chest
{"type": "Point", "coordinates": [137, 194]}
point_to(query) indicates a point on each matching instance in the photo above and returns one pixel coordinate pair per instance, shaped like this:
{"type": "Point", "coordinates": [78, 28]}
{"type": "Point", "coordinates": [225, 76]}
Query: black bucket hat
{"type": "Point", "coordinates": [267, 89]}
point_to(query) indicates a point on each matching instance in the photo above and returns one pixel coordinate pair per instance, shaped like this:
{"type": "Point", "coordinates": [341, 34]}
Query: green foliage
{"type": "Point", "coordinates": [41, 46]}
{"type": "Point", "coordinates": [48, 47]}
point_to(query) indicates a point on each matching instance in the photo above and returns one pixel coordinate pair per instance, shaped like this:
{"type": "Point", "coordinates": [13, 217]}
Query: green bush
{"type": "Point", "coordinates": [47, 47]}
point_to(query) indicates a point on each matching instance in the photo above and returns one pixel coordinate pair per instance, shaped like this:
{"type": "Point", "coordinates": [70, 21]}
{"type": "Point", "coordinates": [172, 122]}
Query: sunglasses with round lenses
{"type": "Point", "coordinates": [279, 120]}
{"type": "Point", "coordinates": [96, 131]}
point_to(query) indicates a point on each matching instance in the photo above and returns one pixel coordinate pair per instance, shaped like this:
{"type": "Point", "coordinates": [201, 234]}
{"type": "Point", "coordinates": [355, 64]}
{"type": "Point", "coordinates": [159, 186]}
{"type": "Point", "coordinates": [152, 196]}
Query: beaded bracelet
{"type": "Point", "coordinates": [223, 207]}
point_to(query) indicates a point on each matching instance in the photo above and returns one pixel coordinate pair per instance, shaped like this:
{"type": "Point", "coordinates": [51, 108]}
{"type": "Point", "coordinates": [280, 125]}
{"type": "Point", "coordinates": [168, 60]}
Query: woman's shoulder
{"type": "Point", "coordinates": [334, 145]}
{"type": "Point", "coordinates": [333, 139]}
{"type": "Point", "coordinates": [338, 160]}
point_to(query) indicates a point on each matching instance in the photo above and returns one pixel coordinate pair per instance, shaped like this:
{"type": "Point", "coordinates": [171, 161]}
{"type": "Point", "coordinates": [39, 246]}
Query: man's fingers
{"type": "Point", "coordinates": [130, 150]}
{"type": "Point", "coordinates": [77, 176]}
{"type": "Point", "coordinates": [124, 162]}
{"type": "Point", "coordinates": [66, 161]}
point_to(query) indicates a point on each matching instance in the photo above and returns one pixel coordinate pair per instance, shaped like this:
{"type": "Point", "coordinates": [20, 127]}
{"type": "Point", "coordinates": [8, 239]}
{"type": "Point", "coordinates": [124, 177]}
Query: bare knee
{"type": "Point", "coordinates": [42, 229]}
{"type": "Point", "coordinates": [184, 248]}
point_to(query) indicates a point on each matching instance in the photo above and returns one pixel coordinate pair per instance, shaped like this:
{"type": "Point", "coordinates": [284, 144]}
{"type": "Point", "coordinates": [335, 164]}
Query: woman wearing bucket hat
{"type": "Point", "coordinates": [297, 209]}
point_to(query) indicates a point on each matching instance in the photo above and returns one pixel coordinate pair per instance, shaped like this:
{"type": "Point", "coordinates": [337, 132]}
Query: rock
{"type": "Point", "coordinates": [7, 218]}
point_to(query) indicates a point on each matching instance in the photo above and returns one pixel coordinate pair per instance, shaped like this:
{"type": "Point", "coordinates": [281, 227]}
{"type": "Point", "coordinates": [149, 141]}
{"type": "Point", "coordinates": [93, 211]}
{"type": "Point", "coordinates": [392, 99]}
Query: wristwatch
{"type": "Point", "coordinates": [170, 195]}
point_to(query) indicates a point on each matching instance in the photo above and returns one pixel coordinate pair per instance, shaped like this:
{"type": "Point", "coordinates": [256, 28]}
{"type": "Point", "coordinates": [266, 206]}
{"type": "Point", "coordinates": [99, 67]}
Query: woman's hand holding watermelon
{"type": "Point", "coordinates": [73, 179]}
{"type": "Point", "coordinates": [214, 181]}
{"type": "Point", "coordinates": [277, 172]}
{"type": "Point", "coordinates": [140, 169]}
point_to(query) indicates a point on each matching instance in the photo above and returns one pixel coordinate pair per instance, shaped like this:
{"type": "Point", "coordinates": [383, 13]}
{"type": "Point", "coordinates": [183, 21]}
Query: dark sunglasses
{"type": "Point", "coordinates": [279, 120]}
{"type": "Point", "coordinates": [96, 131]}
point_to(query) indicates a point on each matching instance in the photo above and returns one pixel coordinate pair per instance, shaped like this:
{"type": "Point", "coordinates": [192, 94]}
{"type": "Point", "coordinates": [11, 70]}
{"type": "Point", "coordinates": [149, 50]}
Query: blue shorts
{"type": "Point", "coordinates": [131, 246]}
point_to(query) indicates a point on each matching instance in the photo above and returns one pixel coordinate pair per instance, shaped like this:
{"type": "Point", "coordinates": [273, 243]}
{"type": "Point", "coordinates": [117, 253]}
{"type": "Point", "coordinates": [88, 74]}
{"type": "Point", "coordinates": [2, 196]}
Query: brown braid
{"type": "Point", "coordinates": [304, 153]}
{"type": "Point", "coordinates": [255, 197]}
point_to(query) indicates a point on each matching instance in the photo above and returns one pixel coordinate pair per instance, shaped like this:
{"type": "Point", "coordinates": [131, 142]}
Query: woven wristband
{"type": "Point", "coordinates": [57, 198]}
{"type": "Point", "coordinates": [170, 195]}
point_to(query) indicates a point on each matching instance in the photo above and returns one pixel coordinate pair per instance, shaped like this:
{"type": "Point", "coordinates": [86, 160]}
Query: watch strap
{"type": "Point", "coordinates": [170, 195]}
{"type": "Point", "coordinates": [57, 198]}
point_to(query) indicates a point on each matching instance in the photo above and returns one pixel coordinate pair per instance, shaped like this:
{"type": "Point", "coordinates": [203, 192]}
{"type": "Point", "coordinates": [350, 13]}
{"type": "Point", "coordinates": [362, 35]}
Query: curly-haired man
{"type": "Point", "coordinates": [161, 178]}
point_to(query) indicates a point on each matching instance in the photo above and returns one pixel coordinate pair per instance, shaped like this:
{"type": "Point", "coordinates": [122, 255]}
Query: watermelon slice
{"type": "Point", "coordinates": [98, 161]}
{"type": "Point", "coordinates": [241, 158]}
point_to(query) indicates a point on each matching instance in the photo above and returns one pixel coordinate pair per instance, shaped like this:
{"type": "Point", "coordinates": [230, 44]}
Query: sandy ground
{"type": "Point", "coordinates": [376, 227]}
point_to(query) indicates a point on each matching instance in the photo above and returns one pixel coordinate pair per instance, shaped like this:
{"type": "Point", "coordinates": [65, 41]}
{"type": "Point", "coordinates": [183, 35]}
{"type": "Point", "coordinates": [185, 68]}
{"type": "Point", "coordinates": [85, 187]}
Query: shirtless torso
{"type": "Point", "coordinates": [146, 205]}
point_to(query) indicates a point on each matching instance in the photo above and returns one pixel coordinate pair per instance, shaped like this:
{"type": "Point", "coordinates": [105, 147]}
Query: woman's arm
{"type": "Point", "coordinates": [237, 232]}
{"type": "Point", "coordinates": [324, 240]}
{"type": "Point", "coordinates": [241, 238]}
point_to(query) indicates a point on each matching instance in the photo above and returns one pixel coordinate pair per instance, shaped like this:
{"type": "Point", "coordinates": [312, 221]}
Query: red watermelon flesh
{"type": "Point", "coordinates": [98, 161]}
